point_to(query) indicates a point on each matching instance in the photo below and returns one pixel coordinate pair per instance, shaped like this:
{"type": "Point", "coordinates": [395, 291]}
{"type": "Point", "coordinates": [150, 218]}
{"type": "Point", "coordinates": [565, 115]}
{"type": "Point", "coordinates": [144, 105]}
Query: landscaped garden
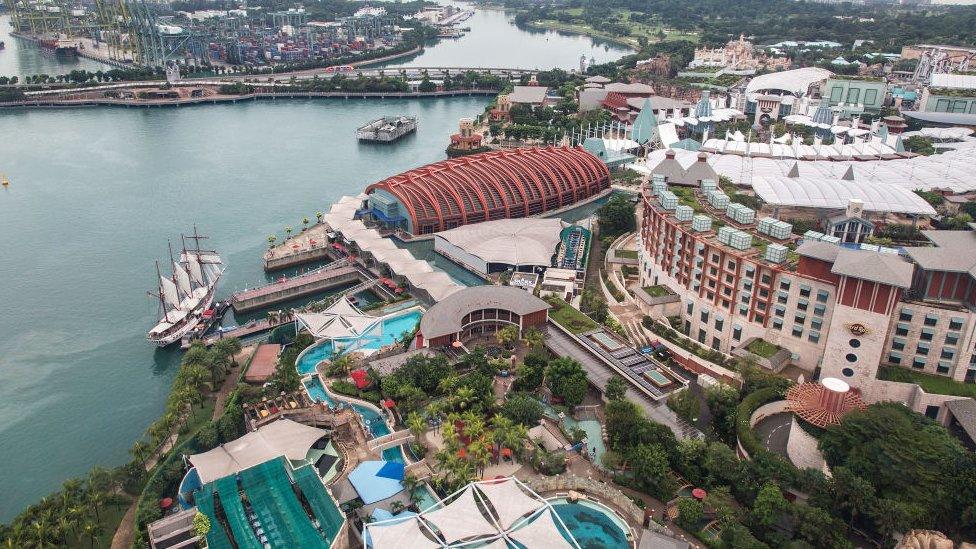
{"type": "Point", "coordinates": [930, 383]}
{"type": "Point", "coordinates": [569, 317]}
{"type": "Point", "coordinates": [763, 348]}
{"type": "Point", "coordinates": [657, 291]}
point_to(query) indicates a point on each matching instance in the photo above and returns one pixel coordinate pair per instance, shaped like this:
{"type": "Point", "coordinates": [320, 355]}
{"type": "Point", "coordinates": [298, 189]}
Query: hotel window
{"type": "Point", "coordinates": [822, 296]}
{"type": "Point", "coordinates": [701, 336]}
{"type": "Point", "coordinates": [816, 323]}
{"type": "Point", "coordinates": [704, 317]}
{"type": "Point", "coordinates": [715, 343]}
{"type": "Point", "coordinates": [870, 96]}
{"type": "Point", "coordinates": [745, 299]}
{"type": "Point", "coordinates": [918, 363]}
{"type": "Point", "coordinates": [750, 272]}
{"type": "Point", "coordinates": [719, 322]}
{"type": "Point", "coordinates": [894, 358]}
{"type": "Point", "coordinates": [959, 105]}
{"type": "Point", "coordinates": [729, 279]}
{"type": "Point", "coordinates": [779, 311]}
{"type": "Point", "coordinates": [948, 354]}
{"type": "Point", "coordinates": [805, 290]}
{"type": "Point", "coordinates": [759, 318]}
{"type": "Point", "coordinates": [731, 265]}
{"type": "Point", "coordinates": [743, 310]}
{"type": "Point", "coordinates": [711, 283]}
{"type": "Point", "coordinates": [726, 304]}
{"type": "Point", "coordinates": [766, 279]}
{"type": "Point", "coordinates": [922, 349]}
{"type": "Point", "coordinates": [714, 258]}
{"type": "Point", "coordinates": [802, 304]}
{"type": "Point", "coordinates": [836, 94]}
{"type": "Point", "coordinates": [784, 284]}
{"type": "Point", "coordinates": [952, 339]}
{"type": "Point", "coordinates": [942, 105]}
{"type": "Point", "coordinates": [898, 344]}
{"type": "Point", "coordinates": [814, 336]}
{"type": "Point", "coordinates": [761, 306]}
{"type": "Point", "coordinates": [727, 292]}
{"type": "Point", "coordinates": [926, 334]}
{"type": "Point", "coordinates": [800, 318]}
{"type": "Point", "coordinates": [763, 293]}
{"type": "Point", "coordinates": [853, 94]}
{"type": "Point", "coordinates": [778, 323]}
{"type": "Point", "coordinates": [931, 320]}
{"type": "Point", "coordinates": [819, 310]}
{"type": "Point", "coordinates": [797, 331]}
{"type": "Point", "coordinates": [782, 297]}
{"type": "Point", "coordinates": [712, 271]}
{"type": "Point", "coordinates": [942, 368]}
{"type": "Point", "coordinates": [747, 285]}
{"type": "Point", "coordinates": [905, 315]}
{"type": "Point", "coordinates": [736, 332]}
{"type": "Point", "coordinates": [691, 307]}
{"type": "Point", "coordinates": [955, 324]}
{"type": "Point", "coordinates": [901, 329]}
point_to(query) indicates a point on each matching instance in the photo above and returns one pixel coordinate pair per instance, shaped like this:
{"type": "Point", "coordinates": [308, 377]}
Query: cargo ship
{"type": "Point", "coordinates": [185, 297]}
{"type": "Point", "coordinates": [387, 129]}
{"type": "Point", "coordinates": [62, 47]}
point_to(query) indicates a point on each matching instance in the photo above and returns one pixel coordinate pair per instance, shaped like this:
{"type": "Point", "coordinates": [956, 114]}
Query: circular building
{"type": "Point", "coordinates": [487, 186]}
{"type": "Point", "coordinates": [480, 310]}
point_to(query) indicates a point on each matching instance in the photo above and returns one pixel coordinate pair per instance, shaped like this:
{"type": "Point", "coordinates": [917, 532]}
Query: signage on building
{"type": "Point", "coordinates": [858, 329]}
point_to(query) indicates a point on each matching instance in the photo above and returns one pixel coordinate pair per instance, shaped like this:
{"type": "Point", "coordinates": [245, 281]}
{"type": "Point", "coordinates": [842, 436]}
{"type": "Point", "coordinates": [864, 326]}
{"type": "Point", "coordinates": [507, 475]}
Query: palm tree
{"type": "Point", "coordinates": [140, 451]}
{"type": "Point", "coordinates": [319, 216]}
{"type": "Point", "coordinates": [533, 338]}
{"type": "Point", "coordinates": [64, 526]}
{"type": "Point", "coordinates": [96, 500]}
{"type": "Point", "coordinates": [92, 529]}
{"type": "Point", "coordinates": [271, 240]}
{"type": "Point", "coordinates": [481, 455]}
{"type": "Point", "coordinates": [304, 224]}
{"type": "Point", "coordinates": [463, 397]}
{"type": "Point", "coordinates": [288, 231]}
{"type": "Point", "coordinates": [228, 347]}
{"type": "Point", "coordinates": [507, 336]}
{"type": "Point", "coordinates": [416, 424]}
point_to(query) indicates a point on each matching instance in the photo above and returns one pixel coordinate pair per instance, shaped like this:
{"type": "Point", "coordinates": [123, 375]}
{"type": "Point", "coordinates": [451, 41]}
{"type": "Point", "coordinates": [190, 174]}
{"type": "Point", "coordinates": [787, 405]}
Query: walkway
{"type": "Point", "coordinates": [599, 372]}
{"type": "Point", "coordinates": [230, 382]}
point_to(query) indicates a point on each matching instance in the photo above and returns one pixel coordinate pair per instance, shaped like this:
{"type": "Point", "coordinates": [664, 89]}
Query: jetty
{"type": "Point", "coordinates": [337, 273]}
{"type": "Point", "coordinates": [308, 246]}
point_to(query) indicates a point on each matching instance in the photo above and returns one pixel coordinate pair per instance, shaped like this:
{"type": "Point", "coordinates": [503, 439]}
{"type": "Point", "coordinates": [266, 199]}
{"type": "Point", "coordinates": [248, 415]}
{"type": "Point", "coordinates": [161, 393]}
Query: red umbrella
{"type": "Point", "coordinates": [398, 291]}
{"type": "Point", "coordinates": [389, 403]}
{"type": "Point", "coordinates": [312, 242]}
{"type": "Point", "coordinates": [698, 493]}
{"type": "Point", "coordinates": [457, 344]}
{"type": "Point", "coordinates": [165, 503]}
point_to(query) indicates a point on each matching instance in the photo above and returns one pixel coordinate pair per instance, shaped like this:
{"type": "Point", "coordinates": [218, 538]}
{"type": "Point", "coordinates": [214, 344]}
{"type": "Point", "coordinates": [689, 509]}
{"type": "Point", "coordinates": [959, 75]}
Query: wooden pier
{"type": "Point", "coordinates": [338, 273]}
{"type": "Point", "coordinates": [249, 329]}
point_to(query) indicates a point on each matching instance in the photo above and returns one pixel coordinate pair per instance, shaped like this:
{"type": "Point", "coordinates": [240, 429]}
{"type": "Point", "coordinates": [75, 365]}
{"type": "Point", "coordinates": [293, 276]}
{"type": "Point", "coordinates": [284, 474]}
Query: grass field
{"type": "Point", "coordinates": [568, 317]}
{"type": "Point", "coordinates": [638, 30]}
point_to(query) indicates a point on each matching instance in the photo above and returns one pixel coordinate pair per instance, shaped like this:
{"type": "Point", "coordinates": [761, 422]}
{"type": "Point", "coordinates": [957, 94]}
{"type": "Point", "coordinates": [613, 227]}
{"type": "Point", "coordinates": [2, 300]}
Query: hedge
{"type": "Point", "coordinates": [747, 438]}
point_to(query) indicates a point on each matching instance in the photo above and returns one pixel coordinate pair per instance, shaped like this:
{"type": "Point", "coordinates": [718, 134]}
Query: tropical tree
{"type": "Point", "coordinates": [507, 336]}
{"type": "Point", "coordinates": [228, 347]}
{"type": "Point", "coordinates": [305, 223]}
{"type": "Point", "coordinates": [616, 388]}
{"type": "Point", "coordinates": [288, 231]}
{"type": "Point", "coordinates": [416, 424]}
{"type": "Point", "coordinates": [271, 240]}
{"type": "Point", "coordinates": [481, 455]}
{"type": "Point", "coordinates": [319, 216]}
{"type": "Point", "coordinates": [533, 338]}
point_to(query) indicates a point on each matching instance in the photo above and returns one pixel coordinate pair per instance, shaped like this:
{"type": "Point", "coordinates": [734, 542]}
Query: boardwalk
{"type": "Point", "coordinates": [335, 274]}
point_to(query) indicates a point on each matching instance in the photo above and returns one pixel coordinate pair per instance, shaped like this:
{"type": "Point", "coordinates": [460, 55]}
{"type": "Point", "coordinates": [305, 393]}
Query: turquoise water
{"type": "Point", "coordinates": [393, 329]}
{"type": "Point", "coordinates": [592, 527]}
{"type": "Point", "coordinates": [594, 434]}
{"type": "Point", "coordinates": [373, 420]}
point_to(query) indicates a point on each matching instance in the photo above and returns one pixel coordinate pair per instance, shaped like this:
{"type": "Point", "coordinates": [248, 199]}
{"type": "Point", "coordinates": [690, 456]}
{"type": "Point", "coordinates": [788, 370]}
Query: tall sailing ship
{"type": "Point", "coordinates": [185, 295]}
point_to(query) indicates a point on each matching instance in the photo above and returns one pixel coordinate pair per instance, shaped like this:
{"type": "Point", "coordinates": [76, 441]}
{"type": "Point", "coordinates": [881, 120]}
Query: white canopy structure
{"type": "Point", "coordinates": [529, 241]}
{"type": "Point", "coordinates": [403, 534]}
{"type": "Point", "coordinates": [418, 272]}
{"type": "Point", "coordinates": [461, 519]}
{"type": "Point", "coordinates": [279, 438]}
{"type": "Point", "coordinates": [509, 501]}
{"type": "Point", "coordinates": [541, 533]}
{"type": "Point", "coordinates": [952, 170]}
{"type": "Point", "coordinates": [342, 320]}
{"type": "Point", "coordinates": [795, 82]}
{"type": "Point", "coordinates": [815, 192]}
{"type": "Point", "coordinates": [524, 516]}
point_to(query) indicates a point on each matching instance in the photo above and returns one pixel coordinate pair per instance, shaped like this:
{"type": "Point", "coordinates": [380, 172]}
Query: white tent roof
{"type": "Point", "coordinates": [404, 534]}
{"type": "Point", "coordinates": [958, 81]}
{"type": "Point", "coordinates": [461, 518]}
{"type": "Point", "coordinates": [541, 533]}
{"type": "Point", "coordinates": [796, 81]}
{"type": "Point", "coordinates": [526, 241]}
{"type": "Point", "coordinates": [279, 438]}
{"type": "Point", "coordinates": [509, 501]}
{"type": "Point", "coordinates": [341, 320]}
{"type": "Point", "coordinates": [815, 192]}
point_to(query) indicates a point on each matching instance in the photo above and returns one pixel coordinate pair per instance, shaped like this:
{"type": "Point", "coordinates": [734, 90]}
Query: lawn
{"type": "Point", "coordinates": [572, 319]}
{"type": "Point", "coordinates": [931, 383]}
{"type": "Point", "coordinates": [626, 254]}
{"type": "Point", "coordinates": [657, 291]}
{"type": "Point", "coordinates": [762, 348]}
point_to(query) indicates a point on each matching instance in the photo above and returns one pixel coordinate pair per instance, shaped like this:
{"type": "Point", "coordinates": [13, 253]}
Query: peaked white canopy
{"type": "Point", "coordinates": [509, 501]}
{"type": "Point", "coordinates": [340, 321]}
{"type": "Point", "coordinates": [408, 533]}
{"type": "Point", "coordinates": [461, 518]}
{"type": "Point", "coordinates": [541, 533]}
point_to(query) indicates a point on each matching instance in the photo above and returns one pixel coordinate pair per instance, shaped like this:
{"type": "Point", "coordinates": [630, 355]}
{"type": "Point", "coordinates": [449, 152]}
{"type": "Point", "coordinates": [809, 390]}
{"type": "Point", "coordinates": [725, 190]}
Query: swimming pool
{"type": "Point", "coordinates": [591, 524]}
{"type": "Point", "coordinates": [190, 483]}
{"type": "Point", "coordinates": [393, 328]}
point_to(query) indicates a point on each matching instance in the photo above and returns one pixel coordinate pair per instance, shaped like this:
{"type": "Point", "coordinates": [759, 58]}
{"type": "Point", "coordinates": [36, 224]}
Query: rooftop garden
{"type": "Point", "coordinates": [625, 254]}
{"type": "Point", "coordinates": [657, 291]}
{"type": "Point", "coordinates": [570, 318]}
{"type": "Point", "coordinates": [930, 383]}
{"type": "Point", "coordinates": [953, 92]}
{"type": "Point", "coordinates": [763, 348]}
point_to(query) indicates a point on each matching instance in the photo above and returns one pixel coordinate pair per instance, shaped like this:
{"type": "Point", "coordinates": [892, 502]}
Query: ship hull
{"type": "Point", "coordinates": [190, 322]}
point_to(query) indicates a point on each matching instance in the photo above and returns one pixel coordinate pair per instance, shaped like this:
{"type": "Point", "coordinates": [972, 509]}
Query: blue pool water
{"type": "Point", "coordinates": [592, 526]}
{"type": "Point", "coordinates": [374, 421]}
{"type": "Point", "coordinates": [393, 328]}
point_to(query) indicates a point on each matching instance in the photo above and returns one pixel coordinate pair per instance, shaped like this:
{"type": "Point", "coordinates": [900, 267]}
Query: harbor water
{"type": "Point", "coordinates": [95, 194]}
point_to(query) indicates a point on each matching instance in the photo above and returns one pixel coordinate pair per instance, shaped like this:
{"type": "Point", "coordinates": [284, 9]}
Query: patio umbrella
{"type": "Point", "coordinates": [166, 503]}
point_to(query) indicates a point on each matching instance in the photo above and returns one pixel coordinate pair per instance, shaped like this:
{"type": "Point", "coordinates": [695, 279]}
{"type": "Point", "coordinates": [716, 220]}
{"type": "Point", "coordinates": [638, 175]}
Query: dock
{"type": "Point", "coordinates": [337, 273]}
{"type": "Point", "coordinates": [249, 329]}
{"type": "Point", "coordinates": [307, 247]}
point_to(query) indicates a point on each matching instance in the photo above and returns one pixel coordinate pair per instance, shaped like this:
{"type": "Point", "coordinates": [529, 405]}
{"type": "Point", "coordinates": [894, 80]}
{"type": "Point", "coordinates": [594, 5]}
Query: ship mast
{"type": "Point", "coordinates": [173, 266]}
{"type": "Point", "coordinates": [162, 302]}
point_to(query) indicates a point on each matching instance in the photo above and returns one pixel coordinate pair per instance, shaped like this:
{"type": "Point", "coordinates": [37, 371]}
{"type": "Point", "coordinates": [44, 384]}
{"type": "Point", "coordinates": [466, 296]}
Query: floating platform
{"type": "Point", "coordinates": [387, 129]}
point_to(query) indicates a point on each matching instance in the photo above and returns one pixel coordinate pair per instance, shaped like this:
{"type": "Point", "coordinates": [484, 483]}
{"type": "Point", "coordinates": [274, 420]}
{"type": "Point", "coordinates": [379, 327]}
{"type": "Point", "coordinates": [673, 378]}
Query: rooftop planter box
{"type": "Point", "coordinates": [767, 355]}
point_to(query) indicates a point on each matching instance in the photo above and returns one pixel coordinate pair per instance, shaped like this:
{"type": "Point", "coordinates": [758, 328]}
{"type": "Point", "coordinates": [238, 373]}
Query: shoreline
{"type": "Point", "coordinates": [214, 100]}
{"type": "Point", "coordinates": [592, 35]}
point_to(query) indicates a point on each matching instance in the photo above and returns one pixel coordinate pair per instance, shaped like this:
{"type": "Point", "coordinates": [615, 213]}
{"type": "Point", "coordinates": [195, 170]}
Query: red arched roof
{"type": "Point", "coordinates": [496, 185]}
